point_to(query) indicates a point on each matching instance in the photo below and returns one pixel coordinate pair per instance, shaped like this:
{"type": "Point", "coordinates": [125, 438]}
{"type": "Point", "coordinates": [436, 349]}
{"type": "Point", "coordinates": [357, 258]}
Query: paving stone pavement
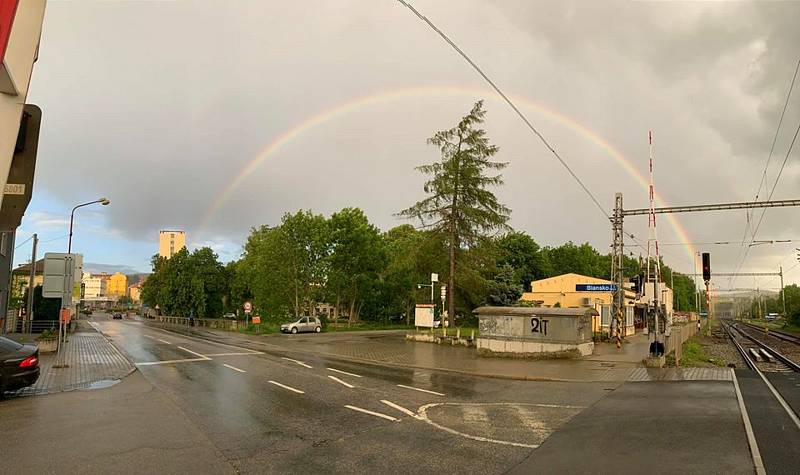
{"type": "Point", "coordinates": [681, 374]}
{"type": "Point", "coordinates": [91, 359]}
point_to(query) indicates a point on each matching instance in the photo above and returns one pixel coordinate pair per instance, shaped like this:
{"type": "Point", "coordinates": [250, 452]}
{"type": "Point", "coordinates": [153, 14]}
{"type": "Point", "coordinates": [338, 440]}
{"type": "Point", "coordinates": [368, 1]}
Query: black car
{"type": "Point", "coordinates": [19, 365]}
{"type": "Point", "coordinates": [117, 316]}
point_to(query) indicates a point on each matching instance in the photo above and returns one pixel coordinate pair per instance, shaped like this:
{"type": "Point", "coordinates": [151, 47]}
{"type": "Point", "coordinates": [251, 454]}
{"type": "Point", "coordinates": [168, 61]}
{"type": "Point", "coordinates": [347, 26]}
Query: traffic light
{"type": "Point", "coordinates": [706, 266]}
{"type": "Point", "coordinates": [637, 283]}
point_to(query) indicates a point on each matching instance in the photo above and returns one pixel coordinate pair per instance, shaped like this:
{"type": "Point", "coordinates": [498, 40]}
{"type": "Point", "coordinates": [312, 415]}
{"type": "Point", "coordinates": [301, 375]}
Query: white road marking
{"type": "Point", "coordinates": [423, 415]}
{"type": "Point", "coordinates": [341, 382]}
{"type": "Point", "coordinates": [420, 390]}
{"type": "Point", "coordinates": [344, 372]}
{"type": "Point", "coordinates": [376, 414]}
{"type": "Point", "coordinates": [148, 336]}
{"type": "Point", "coordinates": [194, 353]}
{"type": "Point", "coordinates": [297, 361]}
{"type": "Point", "coordinates": [286, 387]}
{"type": "Point", "coordinates": [241, 353]}
{"type": "Point", "coordinates": [400, 408]}
{"type": "Point", "coordinates": [163, 341]}
{"type": "Point", "coordinates": [758, 462]}
{"type": "Point", "coordinates": [187, 360]}
{"type": "Point", "coordinates": [233, 368]}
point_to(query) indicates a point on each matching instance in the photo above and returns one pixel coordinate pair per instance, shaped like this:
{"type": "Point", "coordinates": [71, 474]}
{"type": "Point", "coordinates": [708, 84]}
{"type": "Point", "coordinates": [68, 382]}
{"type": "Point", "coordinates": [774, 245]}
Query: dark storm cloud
{"type": "Point", "coordinates": [164, 121]}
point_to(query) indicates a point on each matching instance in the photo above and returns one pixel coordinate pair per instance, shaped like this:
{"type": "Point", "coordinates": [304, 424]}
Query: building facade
{"type": "Point", "coordinates": [117, 285]}
{"type": "Point", "coordinates": [576, 291]}
{"type": "Point", "coordinates": [135, 292]}
{"type": "Point", "coordinates": [170, 242]}
{"type": "Point", "coordinates": [94, 286]}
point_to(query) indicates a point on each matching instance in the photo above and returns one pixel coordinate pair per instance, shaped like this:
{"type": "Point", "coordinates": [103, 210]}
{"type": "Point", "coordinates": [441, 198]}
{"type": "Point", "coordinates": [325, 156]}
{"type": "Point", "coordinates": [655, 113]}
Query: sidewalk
{"type": "Point", "coordinates": [390, 348]}
{"type": "Point", "coordinates": [92, 361]}
{"type": "Point", "coordinates": [653, 427]}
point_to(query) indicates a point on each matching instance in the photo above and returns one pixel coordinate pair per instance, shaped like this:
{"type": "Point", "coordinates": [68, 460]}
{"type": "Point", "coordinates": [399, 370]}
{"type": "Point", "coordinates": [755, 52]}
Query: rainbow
{"type": "Point", "coordinates": [357, 103]}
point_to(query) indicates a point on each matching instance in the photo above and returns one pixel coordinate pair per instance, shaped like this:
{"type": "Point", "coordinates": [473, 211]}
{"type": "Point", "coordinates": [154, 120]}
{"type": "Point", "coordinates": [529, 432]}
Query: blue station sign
{"type": "Point", "coordinates": [595, 287]}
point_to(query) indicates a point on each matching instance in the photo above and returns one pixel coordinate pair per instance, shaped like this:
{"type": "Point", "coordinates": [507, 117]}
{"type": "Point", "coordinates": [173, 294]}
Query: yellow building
{"type": "Point", "coordinates": [117, 285]}
{"type": "Point", "coordinates": [575, 290]}
{"type": "Point", "coordinates": [170, 242]}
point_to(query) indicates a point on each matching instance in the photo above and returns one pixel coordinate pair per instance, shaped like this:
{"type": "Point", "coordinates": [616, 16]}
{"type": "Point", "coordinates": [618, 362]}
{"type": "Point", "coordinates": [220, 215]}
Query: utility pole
{"type": "Point", "coordinates": [28, 322]}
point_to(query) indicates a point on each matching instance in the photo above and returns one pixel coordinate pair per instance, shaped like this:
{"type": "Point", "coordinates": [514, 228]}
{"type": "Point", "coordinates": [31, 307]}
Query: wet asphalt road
{"type": "Point", "coordinates": [266, 413]}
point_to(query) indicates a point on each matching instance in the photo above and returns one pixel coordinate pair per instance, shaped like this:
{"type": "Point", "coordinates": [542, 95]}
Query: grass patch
{"type": "Point", "coordinates": [692, 354]}
{"type": "Point", "coordinates": [364, 326]}
{"type": "Point", "coordinates": [261, 329]}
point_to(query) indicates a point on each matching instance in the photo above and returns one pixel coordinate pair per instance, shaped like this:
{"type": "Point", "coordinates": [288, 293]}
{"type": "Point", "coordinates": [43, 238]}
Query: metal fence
{"type": "Point", "coordinates": [678, 336]}
{"type": "Point", "coordinates": [213, 323]}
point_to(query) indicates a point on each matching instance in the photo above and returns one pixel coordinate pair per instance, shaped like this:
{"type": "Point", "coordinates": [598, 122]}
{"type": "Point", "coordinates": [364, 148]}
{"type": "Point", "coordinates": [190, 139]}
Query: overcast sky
{"type": "Point", "coordinates": [160, 106]}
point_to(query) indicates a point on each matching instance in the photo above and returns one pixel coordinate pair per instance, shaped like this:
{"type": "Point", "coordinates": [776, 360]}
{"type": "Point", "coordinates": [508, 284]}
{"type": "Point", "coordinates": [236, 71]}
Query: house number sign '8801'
{"type": "Point", "coordinates": [539, 325]}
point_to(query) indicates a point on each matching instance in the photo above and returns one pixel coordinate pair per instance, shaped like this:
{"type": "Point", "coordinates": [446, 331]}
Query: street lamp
{"type": "Point", "coordinates": [102, 201]}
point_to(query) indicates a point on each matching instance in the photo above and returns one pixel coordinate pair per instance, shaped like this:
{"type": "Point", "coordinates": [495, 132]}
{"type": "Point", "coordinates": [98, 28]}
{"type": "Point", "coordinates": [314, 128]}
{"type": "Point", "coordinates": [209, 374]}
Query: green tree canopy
{"type": "Point", "coordinates": [459, 205]}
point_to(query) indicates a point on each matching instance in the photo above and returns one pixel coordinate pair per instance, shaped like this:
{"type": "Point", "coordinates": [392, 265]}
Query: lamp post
{"type": "Point", "coordinates": [102, 201]}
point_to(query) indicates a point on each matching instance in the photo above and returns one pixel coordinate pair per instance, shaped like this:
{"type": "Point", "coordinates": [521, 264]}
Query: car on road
{"type": "Point", "coordinates": [229, 315]}
{"type": "Point", "coordinates": [117, 316]}
{"type": "Point", "coordinates": [19, 365]}
{"type": "Point", "coordinates": [303, 324]}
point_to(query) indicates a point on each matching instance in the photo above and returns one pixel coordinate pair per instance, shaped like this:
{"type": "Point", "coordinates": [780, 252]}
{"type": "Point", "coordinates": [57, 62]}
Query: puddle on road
{"type": "Point", "coordinates": [103, 383]}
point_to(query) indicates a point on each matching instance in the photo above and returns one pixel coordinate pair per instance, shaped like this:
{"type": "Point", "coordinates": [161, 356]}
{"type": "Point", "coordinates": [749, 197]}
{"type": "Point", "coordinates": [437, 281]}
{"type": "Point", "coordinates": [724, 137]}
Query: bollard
{"type": "Point", "coordinates": [458, 333]}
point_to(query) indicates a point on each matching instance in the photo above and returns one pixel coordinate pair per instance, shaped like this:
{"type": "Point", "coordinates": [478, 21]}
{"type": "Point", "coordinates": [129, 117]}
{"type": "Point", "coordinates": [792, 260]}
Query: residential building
{"type": "Point", "coordinates": [170, 242]}
{"type": "Point", "coordinates": [575, 290]}
{"type": "Point", "coordinates": [117, 285]}
{"type": "Point", "coordinates": [21, 276]}
{"type": "Point", "coordinates": [94, 286]}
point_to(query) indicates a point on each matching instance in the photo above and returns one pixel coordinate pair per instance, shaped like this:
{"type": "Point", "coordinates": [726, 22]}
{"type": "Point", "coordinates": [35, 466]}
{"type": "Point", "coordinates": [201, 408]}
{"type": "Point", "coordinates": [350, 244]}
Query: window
{"type": "Point", "coordinates": [605, 315]}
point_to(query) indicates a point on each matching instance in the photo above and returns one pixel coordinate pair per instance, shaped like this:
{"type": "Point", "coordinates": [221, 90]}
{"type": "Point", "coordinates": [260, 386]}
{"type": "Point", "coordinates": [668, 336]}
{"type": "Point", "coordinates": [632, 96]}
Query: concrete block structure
{"type": "Point", "coordinates": [535, 331]}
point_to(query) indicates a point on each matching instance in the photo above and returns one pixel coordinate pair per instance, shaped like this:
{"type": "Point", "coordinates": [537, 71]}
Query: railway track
{"type": "Point", "coordinates": [787, 337]}
{"type": "Point", "coordinates": [760, 352]}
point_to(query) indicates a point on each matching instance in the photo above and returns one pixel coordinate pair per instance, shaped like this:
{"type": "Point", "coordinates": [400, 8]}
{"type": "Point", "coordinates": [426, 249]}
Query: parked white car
{"type": "Point", "coordinates": [303, 324]}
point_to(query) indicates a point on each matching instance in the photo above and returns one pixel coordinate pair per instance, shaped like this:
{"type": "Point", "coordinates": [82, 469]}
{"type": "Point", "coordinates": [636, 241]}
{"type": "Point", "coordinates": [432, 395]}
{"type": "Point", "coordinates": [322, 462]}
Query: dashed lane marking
{"type": "Point", "coordinates": [240, 353]}
{"type": "Point", "coordinates": [286, 387]}
{"type": "Point", "coordinates": [341, 382]}
{"type": "Point", "coordinates": [298, 362]}
{"type": "Point", "coordinates": [400, 408]}
{"type": "Point", "coordinates": [186, 360]}
{"type": "Point", "coordinates": [233, 368]}
{"type": "Point", "coordinates": [371, 413]}
{"type": "Point", "coordinates": [194, 353]}
{"type": "Point", "coordinates": [420, 390]}
{"type": "Point", "coordinates": [163, 341]}
{"type": "Point", "coordinates": [344, 372]}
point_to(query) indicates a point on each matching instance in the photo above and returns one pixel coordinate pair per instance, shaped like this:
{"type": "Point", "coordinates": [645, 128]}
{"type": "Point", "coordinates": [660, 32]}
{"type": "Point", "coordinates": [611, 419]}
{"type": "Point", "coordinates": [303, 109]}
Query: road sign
{"type": "Point", "coordinates": [423, 315]}
{"type": "Point", "coordinates": [256, 320]}
{"type": "Point", "coordinates": [434, 277]}
{"type": "Point", "coordinates": [248, 307]}
{"type": "Point", "coordinates": [60, 270]}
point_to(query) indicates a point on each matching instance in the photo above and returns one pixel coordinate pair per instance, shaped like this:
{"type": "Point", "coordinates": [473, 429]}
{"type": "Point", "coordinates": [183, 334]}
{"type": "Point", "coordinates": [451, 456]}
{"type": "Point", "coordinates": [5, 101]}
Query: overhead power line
{"type": "Point", "coordinates": [763, 180]}
{"type": "Point", "coordinates": [509, 102]}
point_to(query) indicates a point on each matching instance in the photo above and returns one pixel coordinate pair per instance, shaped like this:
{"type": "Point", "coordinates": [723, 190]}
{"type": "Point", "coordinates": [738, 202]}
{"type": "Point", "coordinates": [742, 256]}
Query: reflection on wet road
{"type": "Point", "coordinates": [336, 415]}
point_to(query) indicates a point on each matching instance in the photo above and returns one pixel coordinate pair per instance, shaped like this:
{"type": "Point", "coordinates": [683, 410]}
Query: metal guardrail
{"type": "Point", "coordinates": [212, 323]}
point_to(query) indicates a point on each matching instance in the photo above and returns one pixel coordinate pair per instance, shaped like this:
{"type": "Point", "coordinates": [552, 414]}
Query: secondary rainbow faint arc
{"type": "Point", "coordinates": [394, 94]}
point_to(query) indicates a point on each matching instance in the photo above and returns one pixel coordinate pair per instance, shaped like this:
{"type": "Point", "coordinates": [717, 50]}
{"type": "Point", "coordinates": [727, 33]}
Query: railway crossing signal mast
{"type": "Point", "coordinates": [656, 325]}
{"type": "Point", "coordinates": [618, 245]}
